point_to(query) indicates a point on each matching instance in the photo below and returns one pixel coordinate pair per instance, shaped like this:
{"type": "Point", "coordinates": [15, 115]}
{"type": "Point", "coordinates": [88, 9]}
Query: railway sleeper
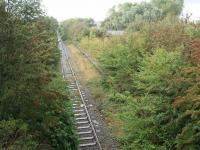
{"type": "Point", "coordinates": [76, 107]}
{"type": "Point", "coordinates": [75, 89]}
{"type": "Point", "coordinates": [85, 132]}
{"type": "Point", "coordinates": [86, 138]}
{"type": "Point", "coordinates": [76, 99]}
{"type": "Point", "coordinates": [86, 141]}
{"type": "Point", "coordinates": [72, 85]}
{"type": "Point", "coordinates": [82, 118]}
{"type": "Point", "coordinates": [88, 144]}
{"type": "Point", "coordinates": [84, 127]}
{"type": "Point", "coordinates": [79, 110]}
{"type": "Point", "coordinates": [77, 102]}
{"type": "Point", "coordinates": [80, 114]}
{"type": "Point", "coordinates": [82, 122]}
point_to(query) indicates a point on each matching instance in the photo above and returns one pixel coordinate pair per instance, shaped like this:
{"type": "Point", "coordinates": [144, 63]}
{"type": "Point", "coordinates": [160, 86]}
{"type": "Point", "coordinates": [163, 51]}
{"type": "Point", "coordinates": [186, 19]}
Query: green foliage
{"type": "Point", "coordinates": [148, 84]}
{"type": "Point", "coordinates": [169, 7]}
{"type": "Point", "coordinates": [59, 130]}
{"type": "Point", "coordinates": [154, 68]}
{"type": "Point", "coordinates": [186, 86]}
{"type": "Point", "coordinates": [120, 63]}
{"type": "Point", "coordinates": [128, 13]}
{"type": "Point", "coordinates": [25, 10]}
{"type": "Point", "coordinates": [152, 85]}
{"type": "Point", "coordinates": [95, 46]}
{"type": "Point", "coordinates": [30, 89]}
{"type": "Point", "coordinates": [193, 31]}
{"type": "Point", "coordinates": [97, 33]}
{"type": "Point", "coordinates": [133, 14]}
{"type": "Point", "coordinates": [75, 29]}
{"type": "Point", "coordinates": [14, 134]}
{"type": "Point", "coordinates": [171, 35]}
{"type": "Point", "coordinates": [120, 98]}
{"type": "Point", "coordinates": [193, 43]}
{"type": "Point", "coordinates": [138, 118]}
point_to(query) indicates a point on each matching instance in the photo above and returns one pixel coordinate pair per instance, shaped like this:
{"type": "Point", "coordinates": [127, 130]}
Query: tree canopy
{"type": "Point", "coordinates": [74, 29]}
{"type": "Point", "coordinates": [34, 102]}
{"type": "Point", "coordinates": [123, 15]}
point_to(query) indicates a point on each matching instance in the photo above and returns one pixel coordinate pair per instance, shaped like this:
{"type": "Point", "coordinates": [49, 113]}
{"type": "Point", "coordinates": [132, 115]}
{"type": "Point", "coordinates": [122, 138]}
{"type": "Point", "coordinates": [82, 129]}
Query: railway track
{"type": "Point", "coordinates": [88, 139]}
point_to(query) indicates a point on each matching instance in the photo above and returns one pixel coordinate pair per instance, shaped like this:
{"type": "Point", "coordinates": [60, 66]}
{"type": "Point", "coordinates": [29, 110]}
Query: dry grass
{"type": "Point", "coordinates": [116, 126]}
{"type": "Point", "coordinates": [85, 69]}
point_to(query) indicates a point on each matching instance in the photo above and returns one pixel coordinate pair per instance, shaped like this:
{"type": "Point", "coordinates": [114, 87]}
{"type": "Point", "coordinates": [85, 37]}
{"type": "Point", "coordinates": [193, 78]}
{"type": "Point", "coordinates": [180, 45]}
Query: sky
{"type": "Point", "coordinates": [98, 9]}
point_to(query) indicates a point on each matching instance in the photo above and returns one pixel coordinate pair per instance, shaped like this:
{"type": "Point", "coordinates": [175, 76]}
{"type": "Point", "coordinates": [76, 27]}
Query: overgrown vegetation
{"type": "Point", "coordinates": [35, 112]}
{"type": "Point", "coordinates": [75, 29]}
{"type": "Point", "coordinates": [151, 76]}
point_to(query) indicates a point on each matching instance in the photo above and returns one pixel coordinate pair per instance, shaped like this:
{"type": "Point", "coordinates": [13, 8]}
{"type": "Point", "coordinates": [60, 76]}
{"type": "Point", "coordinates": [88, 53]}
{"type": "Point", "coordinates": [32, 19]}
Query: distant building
{"type": "Point", "coordinates": [116, 32]}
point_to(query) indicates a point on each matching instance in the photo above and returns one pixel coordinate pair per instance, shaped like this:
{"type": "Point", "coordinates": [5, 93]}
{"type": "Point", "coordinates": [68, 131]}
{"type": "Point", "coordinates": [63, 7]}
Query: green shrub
{"type": "Point", "coordinates": [15, 134]}
{"type": "Point", "coordinates": [97, 33]}
{"type": "Point", "coordinates": [154, 69]}
{"type": "Point", "coordinates": [187, 104]}
{"type": "Point", "coordinates": [146, 127]}
{"type": "Point", "coordinates": [119, 98]}
{"type": "Point", "coordinates": [58, 125]}
{"type": "Point", "coordinates": [119, 64]}
{"type": "Point", "coordinates": [193, 31]}
{"type": "Point", "coordinates": [151, 120]}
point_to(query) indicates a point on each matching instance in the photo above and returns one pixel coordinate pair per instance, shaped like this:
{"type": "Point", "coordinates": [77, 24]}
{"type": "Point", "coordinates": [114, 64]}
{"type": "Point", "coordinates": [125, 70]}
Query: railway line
{"type": "Point", "coordinates": [88, 139]}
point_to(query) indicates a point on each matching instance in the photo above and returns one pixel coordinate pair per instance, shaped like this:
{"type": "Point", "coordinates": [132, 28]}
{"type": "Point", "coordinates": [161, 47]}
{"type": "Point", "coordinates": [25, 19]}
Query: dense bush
{"type": "Point", "coordinates": [193, 43]}
{"type": "Point", "coordinates": [153, 66]}
{"type": "Point", "coordinates": [186, 85]}
{"type": "Point", "coordinates": [168, 34]}
{"type": "Point", "coordinates": [95, 32]}
{"type": "Point", "coordinates": [152, 86]}
{"type": "Point", "coordinates": [120, 63]}
{"type": "Point", "coordinates": [95, 46]}
{"type": "Point", "coordinates": [34, 103]}
{"type": "Point", "coordinates": [14, 134]}
{"type": "Point", "coordinates": [75, 29]}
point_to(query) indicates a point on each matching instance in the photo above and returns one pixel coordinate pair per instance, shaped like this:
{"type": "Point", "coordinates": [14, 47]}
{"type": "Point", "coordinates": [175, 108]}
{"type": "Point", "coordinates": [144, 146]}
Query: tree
{"type": "Point", "coordinates": [74, 29]}
{"type": "Point", "coordinates": [123, 15]}
{"type": "Point", "coordinates": [29, 79]}
{"type": "Point", "coordinates": [128, 13]}
{"type": "Point", "coordinates": [169, 7]}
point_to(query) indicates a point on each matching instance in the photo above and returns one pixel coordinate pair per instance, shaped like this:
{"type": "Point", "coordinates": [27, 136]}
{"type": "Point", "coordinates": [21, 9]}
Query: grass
{"type": "Point", "coordinates": [85, 69]}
